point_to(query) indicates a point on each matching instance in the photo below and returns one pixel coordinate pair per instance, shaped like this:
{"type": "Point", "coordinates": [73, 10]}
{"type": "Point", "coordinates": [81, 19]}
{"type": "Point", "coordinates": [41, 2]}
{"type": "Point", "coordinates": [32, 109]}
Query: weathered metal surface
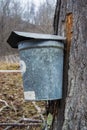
{"type": "Point", "coordinates": [42, 70]}
{"type": "Point", "coordinates": [42, 64]}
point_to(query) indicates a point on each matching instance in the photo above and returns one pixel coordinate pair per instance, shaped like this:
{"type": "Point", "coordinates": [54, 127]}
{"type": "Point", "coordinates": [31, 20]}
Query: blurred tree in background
{"type": "Point", "coordinates": [24, 16]}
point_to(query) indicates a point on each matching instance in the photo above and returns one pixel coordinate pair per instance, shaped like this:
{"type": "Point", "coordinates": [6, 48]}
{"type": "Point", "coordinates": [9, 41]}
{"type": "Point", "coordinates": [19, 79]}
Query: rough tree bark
{"type": "Point", "coordinates": [71, 21]}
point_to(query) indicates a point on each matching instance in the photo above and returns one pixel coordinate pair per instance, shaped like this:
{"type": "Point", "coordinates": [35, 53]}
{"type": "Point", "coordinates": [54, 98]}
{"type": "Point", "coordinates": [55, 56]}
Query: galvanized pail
{"type": "Point", "coordinates": [42, 65]}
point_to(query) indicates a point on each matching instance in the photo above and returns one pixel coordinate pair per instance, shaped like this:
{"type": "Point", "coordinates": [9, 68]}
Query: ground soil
{"type": "Point", "coordinates": [11, 91]}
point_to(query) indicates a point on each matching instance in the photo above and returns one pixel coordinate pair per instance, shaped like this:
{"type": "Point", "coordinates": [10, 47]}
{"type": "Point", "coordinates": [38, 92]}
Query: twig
{"type": "Point", "coordinates": [31, 120]}
{"type": "Point", "coordinates": [13, 107]}
{"type": "Point", "coordinates": [3, 101]}
{"type": "Point", "coordinates": [19, 124]}
{"type": "Point", "coordinates": [1, 109]}
{"type": "Point", "coordinates": [38, 122]}
{"type": "Point", "coordinates": [12, 126]}
{"type": "Point", "coordinates": [39, 111]}
{"type": "Point", "coordinates": [6, 105]}
{"type": "Point", "coordinates": [45, 127]}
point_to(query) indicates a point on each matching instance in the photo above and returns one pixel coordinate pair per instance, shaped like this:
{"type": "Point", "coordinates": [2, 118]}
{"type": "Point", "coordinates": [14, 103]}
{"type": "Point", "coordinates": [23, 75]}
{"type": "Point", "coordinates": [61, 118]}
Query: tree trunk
{"type": "Point", "coordinates": [70, 21]}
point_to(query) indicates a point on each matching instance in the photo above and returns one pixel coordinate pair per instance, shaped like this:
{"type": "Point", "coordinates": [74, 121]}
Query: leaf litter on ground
{"type": "Point", "coordinates": [11, 91]}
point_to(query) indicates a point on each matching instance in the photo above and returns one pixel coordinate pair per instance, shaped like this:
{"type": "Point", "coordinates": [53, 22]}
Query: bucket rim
{"type": "Point", "coordinates": [16, 37]}
{"type": "Point", "coordinates": [41, 44]}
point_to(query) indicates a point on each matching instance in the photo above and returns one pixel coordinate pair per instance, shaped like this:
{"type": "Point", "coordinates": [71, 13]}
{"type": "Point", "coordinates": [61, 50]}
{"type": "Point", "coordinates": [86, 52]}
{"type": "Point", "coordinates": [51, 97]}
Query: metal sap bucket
{"type": "Point", "coordinates": [42, 64]}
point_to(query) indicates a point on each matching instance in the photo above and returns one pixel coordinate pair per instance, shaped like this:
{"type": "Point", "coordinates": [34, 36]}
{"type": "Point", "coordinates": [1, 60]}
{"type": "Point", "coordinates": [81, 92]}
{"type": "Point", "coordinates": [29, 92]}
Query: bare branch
{"type": "Point", "coordinates": [18, 123]}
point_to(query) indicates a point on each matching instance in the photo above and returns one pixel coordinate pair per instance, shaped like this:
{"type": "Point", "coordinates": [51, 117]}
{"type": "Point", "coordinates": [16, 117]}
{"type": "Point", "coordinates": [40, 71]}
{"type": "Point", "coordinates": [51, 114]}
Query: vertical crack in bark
{"type": "Point", "coordinates": [56, 17]}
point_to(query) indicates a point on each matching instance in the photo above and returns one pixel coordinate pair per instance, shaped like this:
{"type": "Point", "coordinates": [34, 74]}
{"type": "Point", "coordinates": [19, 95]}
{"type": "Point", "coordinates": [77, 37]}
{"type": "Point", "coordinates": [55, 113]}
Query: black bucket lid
{"type": "Point", "coordinates": [16, 37]}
